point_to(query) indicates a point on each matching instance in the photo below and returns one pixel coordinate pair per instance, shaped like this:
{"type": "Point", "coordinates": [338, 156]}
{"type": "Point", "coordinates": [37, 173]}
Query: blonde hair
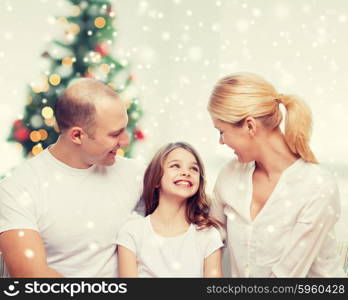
{"type": "Point", "coordinates": [241, 95]}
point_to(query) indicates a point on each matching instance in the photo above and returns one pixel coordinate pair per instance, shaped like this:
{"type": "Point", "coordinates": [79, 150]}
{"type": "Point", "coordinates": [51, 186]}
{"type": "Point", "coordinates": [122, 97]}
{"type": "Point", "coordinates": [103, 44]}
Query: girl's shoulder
{"type": "Point", "coordinates": [134, 222]}
{"type": "Point", "coordinates": [208, 240]}
{"type": "Point", "coordinates": [207, 232]}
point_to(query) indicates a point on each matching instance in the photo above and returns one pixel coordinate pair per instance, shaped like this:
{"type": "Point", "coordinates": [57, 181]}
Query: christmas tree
{"type": "Point", "coordinates": [84, 51]}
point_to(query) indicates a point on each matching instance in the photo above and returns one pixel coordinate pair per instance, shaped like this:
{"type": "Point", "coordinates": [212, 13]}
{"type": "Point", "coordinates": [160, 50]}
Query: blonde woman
{"type": "Point", "coordinates": [278, 205]}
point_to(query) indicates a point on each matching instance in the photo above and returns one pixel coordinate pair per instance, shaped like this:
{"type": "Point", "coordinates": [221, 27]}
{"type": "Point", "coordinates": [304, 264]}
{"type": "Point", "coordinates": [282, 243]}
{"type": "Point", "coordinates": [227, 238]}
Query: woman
{"type": "Point", "coordinates": [278, 205]}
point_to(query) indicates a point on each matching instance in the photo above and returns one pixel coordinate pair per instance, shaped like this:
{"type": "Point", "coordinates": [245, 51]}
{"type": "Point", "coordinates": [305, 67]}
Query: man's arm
{"type": "Point", "coordinates": [24, 254]}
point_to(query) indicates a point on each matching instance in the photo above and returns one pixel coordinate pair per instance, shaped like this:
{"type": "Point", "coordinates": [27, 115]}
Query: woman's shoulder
{"type": "Point", "coordinates": [314, 181]}
{"type": "Point", "coordinates": [313, 174]}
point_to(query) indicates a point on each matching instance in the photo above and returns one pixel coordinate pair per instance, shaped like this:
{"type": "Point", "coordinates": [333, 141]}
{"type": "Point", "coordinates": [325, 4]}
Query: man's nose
{"type": "Point", "coordinates": [124, 139]}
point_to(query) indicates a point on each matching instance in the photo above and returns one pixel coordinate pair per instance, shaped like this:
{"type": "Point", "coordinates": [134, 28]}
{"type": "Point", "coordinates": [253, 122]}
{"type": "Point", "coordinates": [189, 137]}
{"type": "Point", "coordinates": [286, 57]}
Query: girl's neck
{"type": "Point", "coordinates": [170, 210]}
{"type": "Point", "coordinates": [169, 218]}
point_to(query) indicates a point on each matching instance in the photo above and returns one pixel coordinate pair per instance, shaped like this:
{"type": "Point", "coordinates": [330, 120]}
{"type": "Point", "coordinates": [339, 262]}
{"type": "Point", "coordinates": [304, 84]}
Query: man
{"type": "Point", "coordinates": [61, 210]}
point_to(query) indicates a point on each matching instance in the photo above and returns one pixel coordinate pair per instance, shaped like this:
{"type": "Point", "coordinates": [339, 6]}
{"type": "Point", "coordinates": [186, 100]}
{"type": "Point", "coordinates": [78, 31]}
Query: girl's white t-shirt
{"type": "Point", "coordinates": [158, 256]}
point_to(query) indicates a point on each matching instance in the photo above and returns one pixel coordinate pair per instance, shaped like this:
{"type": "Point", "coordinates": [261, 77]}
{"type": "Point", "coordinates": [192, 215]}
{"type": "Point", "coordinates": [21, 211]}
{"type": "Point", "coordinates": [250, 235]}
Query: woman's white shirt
{"type": "Point", "coordinates": [293, 235]}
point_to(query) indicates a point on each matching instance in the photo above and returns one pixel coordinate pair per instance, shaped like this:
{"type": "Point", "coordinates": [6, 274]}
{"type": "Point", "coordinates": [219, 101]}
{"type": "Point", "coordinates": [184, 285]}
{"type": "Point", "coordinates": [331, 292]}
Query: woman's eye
{"type": "Point", "coordinates": [195, 169]}
{"type": "Point", "coordinates": [175, 165]}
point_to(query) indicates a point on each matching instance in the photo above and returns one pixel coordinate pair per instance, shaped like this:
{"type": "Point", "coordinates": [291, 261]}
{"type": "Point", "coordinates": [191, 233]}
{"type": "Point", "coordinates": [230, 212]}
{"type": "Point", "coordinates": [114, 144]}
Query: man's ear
{"type": "Point", "coordinates": [76, 134]}
{"type": "Point", "coordinates": [251, 126]}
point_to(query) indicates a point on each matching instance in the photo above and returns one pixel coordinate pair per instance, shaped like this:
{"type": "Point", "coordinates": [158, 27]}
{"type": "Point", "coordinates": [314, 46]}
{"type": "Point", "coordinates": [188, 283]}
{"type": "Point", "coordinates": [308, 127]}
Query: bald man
{"type": "Point", "coordinates": [61, 210]}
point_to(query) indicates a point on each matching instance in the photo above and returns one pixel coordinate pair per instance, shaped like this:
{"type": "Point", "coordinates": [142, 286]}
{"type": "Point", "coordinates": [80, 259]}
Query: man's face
{"type": "Point", "coordinates": [110, 134]}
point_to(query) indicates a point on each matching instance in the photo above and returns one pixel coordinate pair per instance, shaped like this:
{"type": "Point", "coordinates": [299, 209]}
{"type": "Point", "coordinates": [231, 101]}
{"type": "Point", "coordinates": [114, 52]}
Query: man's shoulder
{"type": "Point", "coordinates": [24, 171]}
{"type": "Point", "coordinates": [129, 165]}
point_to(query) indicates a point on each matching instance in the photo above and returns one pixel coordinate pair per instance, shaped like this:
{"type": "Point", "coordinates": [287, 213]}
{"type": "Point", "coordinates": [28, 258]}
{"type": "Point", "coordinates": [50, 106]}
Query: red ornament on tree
{"type": "Point", "coordinates": [17, 124]}
{"type": "Point", "coordinates": [88, 75]}
{"type": "Point", "coordinates": [21, 134]}
{"type": "Point", "coordinates": [139, 135]}
{"type": "Point", "coordinates": [131, 77]}
{"type": "Point", "coordinates": [111, 12]}
{"type": "Point", "coordinates": [102, 49]}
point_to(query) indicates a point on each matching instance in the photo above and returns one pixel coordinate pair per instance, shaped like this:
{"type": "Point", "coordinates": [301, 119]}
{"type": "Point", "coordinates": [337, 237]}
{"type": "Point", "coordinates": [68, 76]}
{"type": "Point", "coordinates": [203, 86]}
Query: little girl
{"type": "Point", "coordinates": [177, 238]}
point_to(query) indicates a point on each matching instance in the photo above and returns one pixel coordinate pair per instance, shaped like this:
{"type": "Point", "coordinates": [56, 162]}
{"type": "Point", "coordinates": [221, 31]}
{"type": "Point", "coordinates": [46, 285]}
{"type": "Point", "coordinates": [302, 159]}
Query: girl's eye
{"type": "Point", "coordinates": [175, 165]}
{"type": "Point", "coordinates": [195, 169]}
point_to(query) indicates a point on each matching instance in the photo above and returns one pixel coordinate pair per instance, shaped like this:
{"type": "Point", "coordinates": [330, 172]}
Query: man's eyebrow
{"type": "Point", "coordinates": [117, 131]}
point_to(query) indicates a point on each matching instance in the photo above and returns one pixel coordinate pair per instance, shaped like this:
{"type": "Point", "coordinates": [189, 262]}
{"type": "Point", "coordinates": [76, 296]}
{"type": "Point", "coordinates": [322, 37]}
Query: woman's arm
{"type": "Point", "coordinates": [127, 262]}
{"type": "Point", "coordinates": [212, 264]}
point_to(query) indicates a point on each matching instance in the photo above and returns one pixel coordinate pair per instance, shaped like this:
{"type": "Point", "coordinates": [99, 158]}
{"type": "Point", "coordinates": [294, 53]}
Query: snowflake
{"type": "Point", "coordinates": [270, 228]}
{"type": "Point", "coordinates": [195, 53]}
{"type": "Point", "coordinates": [242, 25]}
{"type": "Point", "coordinates": [342, 18]}
{"type": "Point", "coordinates": [29, 253]}
{"type": "Point", "coordinates": [90, 224]}
{"type": "Point", "coordinates": [256, 12]}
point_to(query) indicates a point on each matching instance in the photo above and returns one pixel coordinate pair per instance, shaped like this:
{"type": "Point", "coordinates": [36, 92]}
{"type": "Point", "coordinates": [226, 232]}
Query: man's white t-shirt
{"type": "Point", "coordinates": [158, 256]}
{"type": "Point", "coordinates": [77, 212]}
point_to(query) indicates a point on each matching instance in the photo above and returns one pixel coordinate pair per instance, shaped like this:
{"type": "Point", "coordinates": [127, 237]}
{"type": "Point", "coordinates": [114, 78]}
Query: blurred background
{"type": "Point", "coordinates": [175, 51]}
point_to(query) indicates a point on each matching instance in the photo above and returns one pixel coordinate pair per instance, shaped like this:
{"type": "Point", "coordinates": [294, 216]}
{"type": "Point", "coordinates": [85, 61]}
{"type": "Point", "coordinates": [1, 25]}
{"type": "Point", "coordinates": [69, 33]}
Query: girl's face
{"type": "Point", "coordinates": [237, 138]}
{"type": "Point", "coordinates": [181, 174]}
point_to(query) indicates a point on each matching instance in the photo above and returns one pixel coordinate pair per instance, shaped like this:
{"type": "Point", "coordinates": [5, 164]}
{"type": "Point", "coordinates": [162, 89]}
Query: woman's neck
{"type": "Point", "coordinates": [275, 155]}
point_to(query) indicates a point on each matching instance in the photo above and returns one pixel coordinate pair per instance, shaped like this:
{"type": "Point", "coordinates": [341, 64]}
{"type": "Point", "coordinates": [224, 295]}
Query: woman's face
{"type": "Point", "coordinates": [237, 138]}
{"type": "Point", "coordinates": [181, 174]}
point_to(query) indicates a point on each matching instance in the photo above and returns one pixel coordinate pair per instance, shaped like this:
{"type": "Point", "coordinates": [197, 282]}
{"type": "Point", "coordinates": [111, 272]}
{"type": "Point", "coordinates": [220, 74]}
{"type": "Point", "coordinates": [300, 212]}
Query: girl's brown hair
{"type": "Point", "coordinates": [197, 208]}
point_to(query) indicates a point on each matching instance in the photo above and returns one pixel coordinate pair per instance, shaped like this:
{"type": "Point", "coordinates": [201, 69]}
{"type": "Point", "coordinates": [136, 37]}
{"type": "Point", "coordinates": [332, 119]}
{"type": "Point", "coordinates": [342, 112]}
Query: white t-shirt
{"type": "Point", "coordinates": [77, 212]}
{"type": "Point", "coordinates": [293, 235]}
{"type": "Point", "coordinates": [158, 256]}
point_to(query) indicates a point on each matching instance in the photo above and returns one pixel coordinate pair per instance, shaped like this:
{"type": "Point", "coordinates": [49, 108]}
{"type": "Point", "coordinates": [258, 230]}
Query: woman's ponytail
{"type": "Point", "coordinates": [298, 126]}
